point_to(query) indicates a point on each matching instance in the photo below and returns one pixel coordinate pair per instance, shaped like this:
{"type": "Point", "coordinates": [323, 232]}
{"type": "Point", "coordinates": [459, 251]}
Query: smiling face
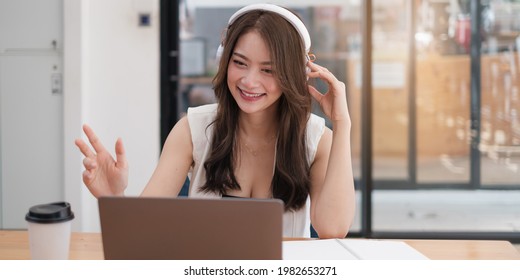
{"type": "Point", "coordinates": [250, 76]}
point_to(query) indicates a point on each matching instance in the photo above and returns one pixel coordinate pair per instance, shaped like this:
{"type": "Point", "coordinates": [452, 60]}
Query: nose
{"type": "Point", "coordinates": [250, 79]}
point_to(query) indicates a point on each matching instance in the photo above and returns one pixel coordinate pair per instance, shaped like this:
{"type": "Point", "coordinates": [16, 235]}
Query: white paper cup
{"type": "Point", "coordinates": [49, 227]}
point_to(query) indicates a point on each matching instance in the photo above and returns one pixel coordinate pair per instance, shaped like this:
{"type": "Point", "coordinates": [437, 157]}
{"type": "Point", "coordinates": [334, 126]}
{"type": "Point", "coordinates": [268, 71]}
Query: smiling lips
{"type": "Point", "coordinates": [249, 96]}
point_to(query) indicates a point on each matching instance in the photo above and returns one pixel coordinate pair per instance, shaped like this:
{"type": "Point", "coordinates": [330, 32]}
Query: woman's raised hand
{"type": "Point", "coordinates": [103, 175]}
{"type": "Point", "coordinates": [333, 102]}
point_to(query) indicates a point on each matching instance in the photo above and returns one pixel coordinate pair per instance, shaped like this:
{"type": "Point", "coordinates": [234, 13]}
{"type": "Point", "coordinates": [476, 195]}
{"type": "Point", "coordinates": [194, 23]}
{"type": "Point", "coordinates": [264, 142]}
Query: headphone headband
{"type": "Point", "coordinates": [288, 15]}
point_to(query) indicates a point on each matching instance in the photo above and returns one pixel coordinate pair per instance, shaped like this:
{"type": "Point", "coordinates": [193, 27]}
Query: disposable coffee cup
{"type": "Point", "coordinates": [49, 227]}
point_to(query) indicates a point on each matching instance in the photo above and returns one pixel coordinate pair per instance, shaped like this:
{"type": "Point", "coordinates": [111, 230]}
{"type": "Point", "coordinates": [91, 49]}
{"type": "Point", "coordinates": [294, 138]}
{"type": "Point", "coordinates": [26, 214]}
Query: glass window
{"type": "Point", "coordinates": [389, 90]}
{"type": "Point", "coordinates": [500, 130]}
{"type": "Point", "coordinates": [443, 198]}
{"type": "Point", "coordinates": [442, 92]}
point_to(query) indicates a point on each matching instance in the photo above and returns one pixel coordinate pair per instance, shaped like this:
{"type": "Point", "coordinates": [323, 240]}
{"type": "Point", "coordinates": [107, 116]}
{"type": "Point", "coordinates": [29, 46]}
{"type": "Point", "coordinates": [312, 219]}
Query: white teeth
{"type": "Point", "coordinates": [251, 95]}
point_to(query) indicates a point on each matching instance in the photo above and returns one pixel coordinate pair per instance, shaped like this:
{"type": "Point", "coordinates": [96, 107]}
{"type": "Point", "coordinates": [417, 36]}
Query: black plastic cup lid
{"type": "Point", "coordinates": [50, 213]}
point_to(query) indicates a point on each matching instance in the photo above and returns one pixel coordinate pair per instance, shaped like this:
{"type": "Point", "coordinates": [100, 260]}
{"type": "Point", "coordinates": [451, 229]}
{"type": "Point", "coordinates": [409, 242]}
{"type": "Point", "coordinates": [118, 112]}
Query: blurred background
{"type": "Point", "coordinates": [422, 102]}
{"type": "Point", "coordinates": [435, 112]}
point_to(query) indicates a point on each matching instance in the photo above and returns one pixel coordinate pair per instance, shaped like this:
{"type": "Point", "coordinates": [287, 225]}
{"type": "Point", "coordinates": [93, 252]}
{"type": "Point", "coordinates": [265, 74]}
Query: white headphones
{"type": "Point", "coordinates": [288, 15]}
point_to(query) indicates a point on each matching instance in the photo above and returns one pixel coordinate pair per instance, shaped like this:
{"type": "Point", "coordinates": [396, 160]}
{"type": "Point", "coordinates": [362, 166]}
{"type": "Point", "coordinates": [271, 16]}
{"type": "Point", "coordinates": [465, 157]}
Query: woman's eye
{"type": "Point", "coordinates": [268, 71]}
{"type": "Point", "coordinates": [239, 63]}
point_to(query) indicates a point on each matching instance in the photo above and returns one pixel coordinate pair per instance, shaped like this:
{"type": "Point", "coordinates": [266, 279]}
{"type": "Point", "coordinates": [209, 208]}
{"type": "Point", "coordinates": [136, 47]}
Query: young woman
{"type": "Point", "coordinates": [260, 140]}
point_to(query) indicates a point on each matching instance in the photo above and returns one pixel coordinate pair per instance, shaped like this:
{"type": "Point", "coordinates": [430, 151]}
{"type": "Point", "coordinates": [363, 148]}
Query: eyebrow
{"type": "Point", "coordinates": [247, 59]}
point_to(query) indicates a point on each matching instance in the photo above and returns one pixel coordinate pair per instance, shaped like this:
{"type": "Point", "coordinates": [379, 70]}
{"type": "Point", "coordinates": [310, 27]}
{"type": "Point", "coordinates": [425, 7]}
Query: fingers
{"type": "Point", "coordinates": [120, 154]}
{"type": "Point", "coordinates": [315, 93]}
{"type": "Point", "coordinates": [316, 68]}
{"type": "Point", "coordinates": [318, 71]}
{"type": "Point", "coordinates": [89, 163]}
{"type": "Point", "coordinates": [84, 148]}
{"type": "Point", "coordinates": [93, 139]}
{"type": "Point", "coordinates": [87, 177]}
{"type": "Point", "coordinates": [90, 157]}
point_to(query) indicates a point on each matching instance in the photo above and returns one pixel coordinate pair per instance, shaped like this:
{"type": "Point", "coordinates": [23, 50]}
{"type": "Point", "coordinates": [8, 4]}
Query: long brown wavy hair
{"type": "Point", "coordinates": [291, 179]}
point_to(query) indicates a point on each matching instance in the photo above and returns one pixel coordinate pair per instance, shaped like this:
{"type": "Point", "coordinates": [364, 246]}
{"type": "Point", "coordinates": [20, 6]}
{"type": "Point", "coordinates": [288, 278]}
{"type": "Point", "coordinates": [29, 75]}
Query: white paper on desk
{"type": "Point", "coordinates": [381, 250]}
{"type": "Point", "coordinates": [326, 249]}
{"type": "Point", "coordinates": [349, 249]}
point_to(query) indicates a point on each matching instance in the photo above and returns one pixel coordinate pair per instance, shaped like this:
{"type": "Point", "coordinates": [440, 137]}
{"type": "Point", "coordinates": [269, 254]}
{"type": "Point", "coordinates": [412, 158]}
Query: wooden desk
{"type": "Point", "coordinates": [14, 245]}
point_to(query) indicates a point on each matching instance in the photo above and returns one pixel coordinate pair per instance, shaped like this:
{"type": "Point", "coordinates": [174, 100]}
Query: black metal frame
{"type": "Point", "coordinates": [169, 57]}
{"type": "Point", "coordinates": [475, 51]}
{"type": "Point", "coordinates": [412, 109]}
{"type": "Point", "coordinates": [366, 120]}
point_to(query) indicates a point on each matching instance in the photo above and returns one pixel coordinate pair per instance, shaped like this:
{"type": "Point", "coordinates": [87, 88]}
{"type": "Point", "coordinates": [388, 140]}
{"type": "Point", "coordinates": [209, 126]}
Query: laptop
{"type": "Point", "coordinates": [191, 228]}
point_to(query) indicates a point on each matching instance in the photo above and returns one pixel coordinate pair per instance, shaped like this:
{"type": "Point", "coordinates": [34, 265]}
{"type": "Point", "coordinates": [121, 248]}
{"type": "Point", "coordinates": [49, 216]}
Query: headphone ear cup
{"type": "Point", "coordinates": [307, 68]}
{"type": "Point", "coordinates": [218, 55]}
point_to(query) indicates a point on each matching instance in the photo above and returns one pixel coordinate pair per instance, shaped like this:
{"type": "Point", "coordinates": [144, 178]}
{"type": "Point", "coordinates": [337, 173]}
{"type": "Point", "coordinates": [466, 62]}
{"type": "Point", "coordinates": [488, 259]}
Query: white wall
{"type": "Point", "coordinates": [111, 82]}
{"type": "Point", "coordinates": [31, 102]}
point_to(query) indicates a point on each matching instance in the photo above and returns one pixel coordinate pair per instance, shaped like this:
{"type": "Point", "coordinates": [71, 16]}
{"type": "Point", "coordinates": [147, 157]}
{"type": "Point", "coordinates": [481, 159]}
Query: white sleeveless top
{"type": "Point", "coordinates": [295, 223]}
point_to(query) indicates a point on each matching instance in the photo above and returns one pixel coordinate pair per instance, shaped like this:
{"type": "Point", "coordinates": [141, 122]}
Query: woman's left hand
{"type": "Point", "coordinates": [333, 102]}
